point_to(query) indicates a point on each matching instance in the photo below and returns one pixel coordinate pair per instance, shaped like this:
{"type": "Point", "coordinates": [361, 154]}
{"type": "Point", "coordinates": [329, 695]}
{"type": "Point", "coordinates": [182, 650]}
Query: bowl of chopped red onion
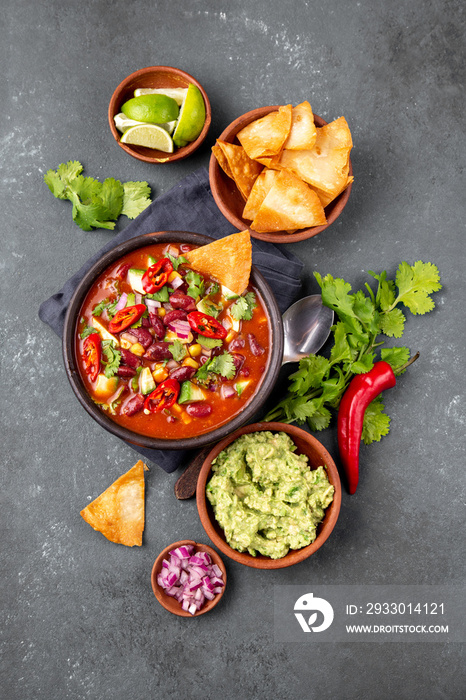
{"type": "Point", "coordinates": [188, 578]}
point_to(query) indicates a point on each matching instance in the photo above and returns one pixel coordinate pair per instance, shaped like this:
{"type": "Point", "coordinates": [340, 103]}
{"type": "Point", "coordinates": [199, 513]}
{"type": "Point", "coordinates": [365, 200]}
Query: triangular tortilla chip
{"type": "Point", "coordinates": [325, 166]}
{"type": "Point", "coordinates": [221, 160]}
{"type": "Point", "coordinates": [290, 204]}
{"type": "Point", "coordinates": [265, 137]}
{"type": "Point", "coordinates": [327, 198]}
{"type": "Point", "coordinates": [228, 259]}
{"type": "Point", "coordinates": [258, 193]}
{"type": "Point", "coordinates": [303, 130]}
{"type": "Point", "coordinates": [243, 169]}
{"type": "Point", "coordinates": [118, 513]}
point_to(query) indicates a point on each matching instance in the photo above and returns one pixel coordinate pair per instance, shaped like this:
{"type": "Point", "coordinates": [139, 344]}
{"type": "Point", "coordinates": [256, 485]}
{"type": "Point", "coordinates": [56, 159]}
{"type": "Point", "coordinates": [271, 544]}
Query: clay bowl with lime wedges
{"type": "Point", "coordinates": [159, 114]}
{"type": "Point", "coordinates": [231, 203]}
{"type": "Point", "coordinates": [317, 456]}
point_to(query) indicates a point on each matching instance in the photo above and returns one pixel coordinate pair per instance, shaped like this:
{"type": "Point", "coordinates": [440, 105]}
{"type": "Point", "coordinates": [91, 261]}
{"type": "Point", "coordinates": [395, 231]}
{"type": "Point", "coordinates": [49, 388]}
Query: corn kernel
{"type": "Point", "coordinates": [162, 311]}
{"type": "Point", "coordinates": [176, 408]}
{"type": "Point", "coordinates": [173, 275]}
{"type": "Point", "coordinates": [195, 349]}
{"type": "Point", "coordinates": [160, 374]}
{"type": "Point", "coordinates": [189, 362]}
{"type": "Point", "coordinates": [230, 336]}
{"type": "Point", "coordinates": [137, 349]}
{"type": "Point", "coordinates": [185, 418]}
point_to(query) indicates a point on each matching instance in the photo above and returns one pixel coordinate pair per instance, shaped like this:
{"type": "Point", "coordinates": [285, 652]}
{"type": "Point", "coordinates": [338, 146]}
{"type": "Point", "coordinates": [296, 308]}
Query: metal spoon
{"type": "Point", "coordinates": [306, 325]}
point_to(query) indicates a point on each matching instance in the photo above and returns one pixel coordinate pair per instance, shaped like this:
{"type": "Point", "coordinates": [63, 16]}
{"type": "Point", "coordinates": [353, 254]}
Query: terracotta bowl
{"type": "Point", "coordinates": [317, 454]}
{"type": "Point", "coordinates": [231, 203]}
{"type": "Point", "coordinates": [71, 363]}
{"type": "Point", "coordinates": [155, 77]}
{"type": "Point", "coordinates": [170, 603]}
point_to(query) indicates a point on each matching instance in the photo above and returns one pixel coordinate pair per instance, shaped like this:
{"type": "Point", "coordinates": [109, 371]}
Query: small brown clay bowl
{"type": "Point", "coordinates": [171, 604]}
{"type": "Point", "coordinates": [231, 203]}
{"type": "Point", "coordinates": [156, 77]}
{"type": "Point", "coordinates": [317, 455]}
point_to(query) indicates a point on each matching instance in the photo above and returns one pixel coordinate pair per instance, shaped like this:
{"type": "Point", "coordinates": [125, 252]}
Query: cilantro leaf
{"type": "Point", "coordinates": [100, 307]}
{"type": "Point", "coordinates": [415, 283]}
{"type": "Point", "coordinates": [376, 422]}
{"type": "Point", "coordinates": [195, 284]}
{"type": "Point", "coordinates": [392, 323]}
{"type": "Point", "coordinates": [311, 372]}
{"type": "Point", "coordinates": [178, 350]}
{"type": "Point", "coordinates": [87, 330]}
{"type": "Point", "coordinates": [396, 357]}
{"type": "Point", "coordinates": [220, 364]}
{"type": "Point", "coordinates": [209, 342]}
{"type": "Point", "coordinates": [176, 261]}
{"type": "Point", "coordinates": [111, 358]}
{"type": "Point", "coordinates": [320, 419]}
{"type": "Point", "coordinates": [136, 198]}
{"type": "Point", "coordinates": [243, 307]}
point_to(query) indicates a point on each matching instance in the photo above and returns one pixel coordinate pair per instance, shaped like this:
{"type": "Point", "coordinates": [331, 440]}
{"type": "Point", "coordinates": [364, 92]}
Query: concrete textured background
{"type": "Point", "coordinates": [79, 618]}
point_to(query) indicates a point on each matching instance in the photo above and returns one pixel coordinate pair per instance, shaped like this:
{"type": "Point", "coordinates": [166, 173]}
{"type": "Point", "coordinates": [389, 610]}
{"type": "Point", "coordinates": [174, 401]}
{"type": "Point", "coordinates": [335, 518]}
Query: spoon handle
{"type": "Point", "coordinates": [185, 487]}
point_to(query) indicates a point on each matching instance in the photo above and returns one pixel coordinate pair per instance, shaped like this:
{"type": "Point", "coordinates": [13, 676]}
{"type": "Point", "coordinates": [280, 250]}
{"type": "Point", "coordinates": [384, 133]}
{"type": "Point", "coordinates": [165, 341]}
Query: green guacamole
{"type": "Point", "coordinates": [264, 495]}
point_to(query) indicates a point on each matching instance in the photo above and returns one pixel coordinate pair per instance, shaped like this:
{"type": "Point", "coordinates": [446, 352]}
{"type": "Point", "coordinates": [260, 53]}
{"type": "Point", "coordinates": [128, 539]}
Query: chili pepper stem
{"type": "Point", "coordinates": [399, 370]}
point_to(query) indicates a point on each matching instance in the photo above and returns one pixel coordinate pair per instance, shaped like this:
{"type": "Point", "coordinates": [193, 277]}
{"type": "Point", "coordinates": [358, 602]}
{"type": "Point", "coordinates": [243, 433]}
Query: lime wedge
{"type": "Point", "coordinates": [154, 109]}
{"type": "Point", "coordinates": [177, 94]}
{"type": "Point", "coordinates": [150, 136]}
{"type": "Point", "coordinates": [191, 118]}
{"type": "Point", "coordinates": [122, 123]}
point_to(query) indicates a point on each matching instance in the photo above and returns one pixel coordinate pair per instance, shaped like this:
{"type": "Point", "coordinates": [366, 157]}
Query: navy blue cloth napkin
{"type": "Point", "coordinates": [189, 206]}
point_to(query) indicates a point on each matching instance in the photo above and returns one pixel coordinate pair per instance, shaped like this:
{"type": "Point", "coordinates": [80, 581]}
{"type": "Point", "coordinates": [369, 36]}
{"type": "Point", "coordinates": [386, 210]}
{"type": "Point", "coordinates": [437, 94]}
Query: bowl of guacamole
{"type": "Point", "coordinates": [269, 495]}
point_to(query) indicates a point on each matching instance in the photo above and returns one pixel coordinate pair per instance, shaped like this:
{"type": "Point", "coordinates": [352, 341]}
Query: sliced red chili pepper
{"type": "Point", "coordinates": [206, 325]}
{"type": "Point", "coordinates": [362, 389]}
{"type": "Point", "coordinates": [156, 276]}
{"type": "Point", "coordinates": [92, 355]}
{"type": "Point", "coordinates": [163, 397]}
{"type": "Point", "coordinates": [126, 317]}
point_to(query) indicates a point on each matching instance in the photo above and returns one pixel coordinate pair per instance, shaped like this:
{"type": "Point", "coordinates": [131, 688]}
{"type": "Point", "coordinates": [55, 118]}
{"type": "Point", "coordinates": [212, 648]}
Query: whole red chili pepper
{"type": "Point", "coordinates": [163, 397]}
{"type": "Point", "coordinates": [206, 325]}
{"type": "Point", "coordinates": [362, 389]}
{"type": "Point", "coordinates": [92, 355]}
{"type": "Point", "coordinates": [156, 276]}
{"type": "Point", "coordinates": [126, 317]}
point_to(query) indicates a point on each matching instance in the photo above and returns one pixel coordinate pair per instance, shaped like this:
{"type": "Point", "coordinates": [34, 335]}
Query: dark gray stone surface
{"type": "Point", "coordinates": [79, 617]}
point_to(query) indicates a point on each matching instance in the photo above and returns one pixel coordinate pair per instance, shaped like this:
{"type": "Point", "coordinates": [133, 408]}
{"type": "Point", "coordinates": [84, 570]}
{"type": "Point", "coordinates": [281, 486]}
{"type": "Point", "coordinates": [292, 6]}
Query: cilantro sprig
{"type": "Point", "coordinates": [219, 364]}
{"type": "Point", "coordinates": [96, 204]}
{"type": "Point", "coordinates": [243, 307]}
{"type": "Point", "coordinates": [364, 316]}
{"type": "Point", "coordinates": [111, 358]}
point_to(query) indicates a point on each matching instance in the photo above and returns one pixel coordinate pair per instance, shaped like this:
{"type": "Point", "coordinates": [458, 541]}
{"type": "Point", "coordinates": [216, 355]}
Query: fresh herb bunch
{"type": "Point", "coordinates": [317, 386]}
{"type": "Point", "coordinates": [96, 204]}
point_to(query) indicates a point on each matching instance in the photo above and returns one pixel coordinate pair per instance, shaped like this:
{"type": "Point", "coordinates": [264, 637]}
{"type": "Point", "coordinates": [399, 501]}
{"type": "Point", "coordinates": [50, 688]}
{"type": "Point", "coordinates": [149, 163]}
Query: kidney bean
{"type": "Point", "coordinates": [134, 405]}
{"type": "Point", "coordinates": [123, 371]}
{"type": "Point", "coordinates": [130, 359]}
{"type": "Point", "coordinates": [237, 343]}
{"type": "Point", "coordinates": [256, 348]}
{"type": "Point", "coordinates": [143, 336]}
{"type": "Point", "coordinates": [238, 360]}
{"type": "Point", "coordinates": [198, 410]}
{"type": "Point", "coordinates": [185, 247]}
{"type": "Point", "coordinates": [175, 315]}
{"type": "Point", "coordinates": [158, 351]}
{"type": "Point", "coordinates": [182, 374]}
{"type": "Point", "coordinates": [182, 301]}
{"type": "Point", "coordinates": [122, 270]}
{"type": "Point", "coordinates": [157, 325]}
{"type": "Point", "coordinates": [145, 322]}
{"type": "Point", "coordinates": [244, 372]}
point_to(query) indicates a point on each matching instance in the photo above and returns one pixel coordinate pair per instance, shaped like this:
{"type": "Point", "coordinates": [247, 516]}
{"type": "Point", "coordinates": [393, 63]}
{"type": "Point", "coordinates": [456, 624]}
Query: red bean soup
{"type": "Point", "coordinates": [168, 352]}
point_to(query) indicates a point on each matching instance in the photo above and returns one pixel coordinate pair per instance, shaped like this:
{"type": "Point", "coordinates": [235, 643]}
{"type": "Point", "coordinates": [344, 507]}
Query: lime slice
{"type": "Point", "coordinates": [191, 118]}
{"type": "Point", "coordinates": [154, 109]}
{"type": "Point", "coordinates": [150, 136]}
{"type": "Point", "coordinates": [122, 123]}
{"type": "Point", "coordinates": [178, 94]}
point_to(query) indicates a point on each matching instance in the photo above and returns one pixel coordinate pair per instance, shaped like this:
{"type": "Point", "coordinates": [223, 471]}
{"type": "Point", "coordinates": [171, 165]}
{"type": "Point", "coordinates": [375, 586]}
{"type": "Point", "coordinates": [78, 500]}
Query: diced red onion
{"type": "Point", "coordinates": [177, 282]}
{"type": "Point", "coordinates": [226, 323]}
{"type": "Point", "coordinates": [190, 577]}
{"type": "Point", "coordinates": [121, 302]}
{"type": "Point", "coordinates": [137, 298]}
{"type": "Point", "coordinates": [181, 328]}
{"type": "Point", "coordinates": [129, 337]}
{"type": "Point", "coordinates": [227, 391]}
{"type": "Point", "coordinates": [152, 304]}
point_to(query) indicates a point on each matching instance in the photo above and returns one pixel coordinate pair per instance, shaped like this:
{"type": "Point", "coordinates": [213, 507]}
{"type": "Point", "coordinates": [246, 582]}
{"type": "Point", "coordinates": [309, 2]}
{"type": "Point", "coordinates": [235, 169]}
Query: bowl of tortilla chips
{"type": "Point", "coordinates": [282, 172]}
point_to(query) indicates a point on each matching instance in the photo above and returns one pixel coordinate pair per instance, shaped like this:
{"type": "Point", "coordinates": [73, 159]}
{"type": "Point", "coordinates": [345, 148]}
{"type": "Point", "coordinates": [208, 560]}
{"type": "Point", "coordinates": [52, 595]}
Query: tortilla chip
{"type": "Point", "coordinates": [265, 137]}
{"type": "Point", "coordinates": [258, 193]}
{"type": "Point", "coordinates": [118, 513]}
{"type": "Point", "coordinates": [327, 198]}
{"type": "Point", "coordinates": [243, 169]}
{"type": "Point", "coordinates": [228, 259]}
{"type": "Point", "coordinates": [289, 205]}
{"type": "Point", "coordinates": [221, 160]}
{"type": "Point", "coordinates": [325, 166]}
{"type": "Point", "coordinates": [303, 130]}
